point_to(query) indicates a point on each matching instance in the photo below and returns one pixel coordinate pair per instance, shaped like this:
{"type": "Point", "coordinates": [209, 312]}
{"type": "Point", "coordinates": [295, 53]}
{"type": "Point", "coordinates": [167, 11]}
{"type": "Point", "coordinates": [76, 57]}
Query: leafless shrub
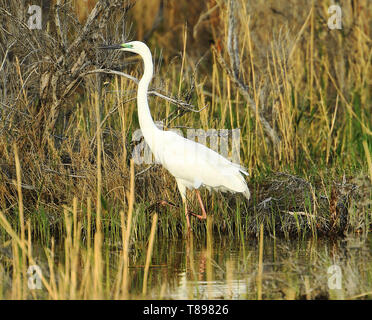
{"type": "Point", "coordinates": [43, 67]}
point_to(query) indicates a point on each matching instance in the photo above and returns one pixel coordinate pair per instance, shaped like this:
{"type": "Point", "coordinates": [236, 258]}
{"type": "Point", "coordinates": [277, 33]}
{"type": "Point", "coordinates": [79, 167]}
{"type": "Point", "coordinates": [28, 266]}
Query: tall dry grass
{"type": "Point", "coordinates": [310, 83]}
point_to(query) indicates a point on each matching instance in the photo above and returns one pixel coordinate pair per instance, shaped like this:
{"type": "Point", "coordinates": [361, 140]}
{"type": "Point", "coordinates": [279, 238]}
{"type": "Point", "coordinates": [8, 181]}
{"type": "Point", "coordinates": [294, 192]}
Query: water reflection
{"type": "Point", "coordinates": [218, 268]}
{"type": "Point", "coordinates": [214, 267]}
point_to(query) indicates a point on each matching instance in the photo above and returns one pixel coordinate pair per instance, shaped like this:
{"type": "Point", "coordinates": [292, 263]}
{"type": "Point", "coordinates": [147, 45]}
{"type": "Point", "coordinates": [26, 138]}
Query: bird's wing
{"type": "Point", "coordinates": [197, 164]}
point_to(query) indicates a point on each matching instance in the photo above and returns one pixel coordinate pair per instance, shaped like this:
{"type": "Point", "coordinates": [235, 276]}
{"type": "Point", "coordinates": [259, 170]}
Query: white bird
{"type": "Point", "coordinates": [192, 164]}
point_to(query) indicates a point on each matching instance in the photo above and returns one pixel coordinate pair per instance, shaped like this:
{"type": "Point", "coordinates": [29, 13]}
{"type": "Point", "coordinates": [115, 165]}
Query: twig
{"type": "Point", "coordinates": [182, 104]}
{"type": "Point", "coordinates": [144, 170]}
{"type": "Point", "coordinates": [109, 71]}
{"type": "Point", "coordinates": [202, 17]}
{"type": "Point", "coordinates": [300, 213]}
{"type": "Point", "coordinates": [5, 55]}
{"type": "Point", "coordinates": [107, 115]}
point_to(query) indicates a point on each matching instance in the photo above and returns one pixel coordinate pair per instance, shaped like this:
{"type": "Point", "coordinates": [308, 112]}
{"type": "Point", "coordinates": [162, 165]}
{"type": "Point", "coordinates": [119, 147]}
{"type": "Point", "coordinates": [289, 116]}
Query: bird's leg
{"type": "Point", "coordinates": [187, 211]}
{"type": "Point", "coordinates": [204, 214]}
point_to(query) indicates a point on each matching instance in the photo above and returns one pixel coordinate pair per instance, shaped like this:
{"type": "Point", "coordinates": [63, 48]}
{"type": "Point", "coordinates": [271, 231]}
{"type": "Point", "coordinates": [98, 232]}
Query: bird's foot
{"type": "Point", "coordinates": [200, 217]}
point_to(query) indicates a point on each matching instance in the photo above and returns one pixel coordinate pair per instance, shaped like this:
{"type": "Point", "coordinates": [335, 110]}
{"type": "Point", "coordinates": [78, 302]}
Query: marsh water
{"type": "Point", "coordinates": [218, 268]}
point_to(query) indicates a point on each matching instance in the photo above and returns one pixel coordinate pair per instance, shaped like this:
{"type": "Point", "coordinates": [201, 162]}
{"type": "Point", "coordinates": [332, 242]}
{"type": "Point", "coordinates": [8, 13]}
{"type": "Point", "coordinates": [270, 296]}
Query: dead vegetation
{"type": "Point", "coordinates": [292, 205]}
{"type": "Point", "coordinates": [298, 92]}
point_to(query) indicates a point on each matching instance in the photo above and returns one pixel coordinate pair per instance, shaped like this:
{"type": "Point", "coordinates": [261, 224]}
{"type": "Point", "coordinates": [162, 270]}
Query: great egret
{"type": "Point", "coordinates": [191, 163]}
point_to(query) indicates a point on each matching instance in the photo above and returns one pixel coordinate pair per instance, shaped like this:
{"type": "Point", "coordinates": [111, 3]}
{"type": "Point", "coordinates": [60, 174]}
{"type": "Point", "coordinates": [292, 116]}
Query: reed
{"type": "Point", "coordinates": [260, 265]}
{"type": "Point", "coordinates": [127, 231]}
{"type": "Point", "coordinates": [79, 274]}
{"type": "Point", "coordinates": [149, 253]}
{"type": "Point", "coordinates": [80, 189]}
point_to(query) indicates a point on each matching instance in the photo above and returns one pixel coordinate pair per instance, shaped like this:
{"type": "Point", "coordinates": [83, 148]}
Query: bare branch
{"type": "Point", "coordinates": [232, 41]}
{"type": "Point", "coordinates": [243, 88]}
{"type": "Point", "coordinates": [203, 17]}
{"type": "Point", "coordinates": [109, 71]}
{"type": "Point", "coordinates": [234, 70]}
{"type": "Point", "coordinates": [182, 104]}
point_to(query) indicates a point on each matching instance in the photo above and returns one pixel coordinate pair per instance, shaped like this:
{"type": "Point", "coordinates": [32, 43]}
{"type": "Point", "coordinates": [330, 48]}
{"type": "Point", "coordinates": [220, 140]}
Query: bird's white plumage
{"type": "Point", "coordinates": [191, 163]}
{"type": "Point", "coordinates": [194, 165]}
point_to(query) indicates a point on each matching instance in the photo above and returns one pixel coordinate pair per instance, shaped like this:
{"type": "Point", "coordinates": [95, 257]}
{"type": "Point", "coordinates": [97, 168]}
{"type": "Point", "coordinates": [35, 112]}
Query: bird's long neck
{"type": "Point", "coordinates": [148, 127]}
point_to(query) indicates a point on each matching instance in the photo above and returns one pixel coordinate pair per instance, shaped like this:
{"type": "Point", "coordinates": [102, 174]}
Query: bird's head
{"type": "Point", "coordinates": [132, 46]}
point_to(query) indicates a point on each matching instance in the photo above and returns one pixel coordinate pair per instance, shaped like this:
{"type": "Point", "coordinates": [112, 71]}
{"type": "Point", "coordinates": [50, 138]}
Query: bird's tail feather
{"type": "Point", "coordinates": [247, 194]}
